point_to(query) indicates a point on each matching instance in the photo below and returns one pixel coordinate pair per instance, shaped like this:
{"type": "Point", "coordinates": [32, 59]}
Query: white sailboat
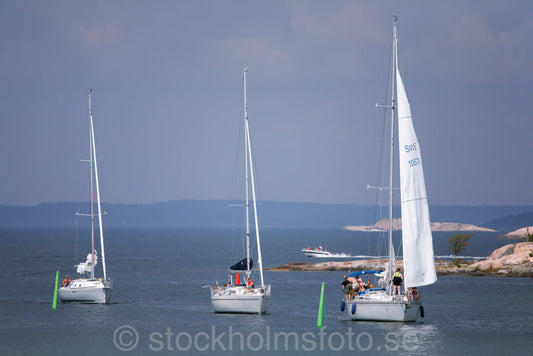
{"type": "Point", "coordinates": [237, 297]}
{"type": "Point", "coordinates": [379, 304]}
{"type": "Point", "coordinates": [92, 289]}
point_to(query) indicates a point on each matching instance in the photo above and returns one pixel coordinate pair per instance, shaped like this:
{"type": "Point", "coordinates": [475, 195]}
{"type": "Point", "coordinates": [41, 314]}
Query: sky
{"type": "Point", "coordinates": [168, 98]}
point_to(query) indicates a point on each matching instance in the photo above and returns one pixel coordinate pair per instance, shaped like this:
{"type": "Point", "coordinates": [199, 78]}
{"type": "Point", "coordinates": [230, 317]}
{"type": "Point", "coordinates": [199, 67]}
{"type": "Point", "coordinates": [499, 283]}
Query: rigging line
{"type": "Point", "coordinates": [83, 183]}
{"type": "Point", "coordinates": [369, 218]}
{"type": "Point", "coordinates": [253, 242]}
{"type": "Point", "coordinates": [398, 251]}
{"type": "Point", "coordinates": [258, 184]}
{"type": "Point", "coordinates": [77, 233]}
{"type": "Point", "coordinates": [379, 207]}
{"type": "Point", "coordinates": [259, 193]}
{"type": "Point", "coordinates": [234, 194]}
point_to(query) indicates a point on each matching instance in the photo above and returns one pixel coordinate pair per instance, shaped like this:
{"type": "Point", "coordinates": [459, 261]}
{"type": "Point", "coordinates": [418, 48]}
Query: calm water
{"type": "Point", "coordinates": [159, 306]}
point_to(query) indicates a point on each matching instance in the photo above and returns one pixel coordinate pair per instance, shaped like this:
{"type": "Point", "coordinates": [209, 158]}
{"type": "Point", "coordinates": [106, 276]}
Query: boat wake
{"type": "Point", "coordinates": [345, 255]}
{"type": "Point", "coordinates": [367, 257]}
{"type": "Point", "coordinates": [443, 257]}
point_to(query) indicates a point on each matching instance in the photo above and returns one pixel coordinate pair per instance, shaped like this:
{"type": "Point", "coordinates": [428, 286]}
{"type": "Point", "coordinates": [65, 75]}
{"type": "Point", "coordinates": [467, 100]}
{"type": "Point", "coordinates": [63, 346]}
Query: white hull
{"type": "Point", "coordinates": [315, 253]}
{"type": "Point", "coordinates": [383, 311]}
{"type": "Point", "coordinates": [382, 307]}
{"type": "Point", "coordinates": [239, 300]}
{"type": "Point", "coordinates": [85, 291]}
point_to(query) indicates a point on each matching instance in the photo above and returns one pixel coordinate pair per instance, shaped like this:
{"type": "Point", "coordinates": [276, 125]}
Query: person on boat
{"type": "Point", "coordinates": [414, 294]}
{"type": "Point", "coordinates": [347, 288]}
{"type": "Point", "coordinates": [360, 285]}
{"type": "Point", "coordinates": [397, 282]}
{"type": "Point", "coordinates": [66, 281]}
{"type": "Point", "coordinates": [250, 285]}
{"type": "Point", "coordinates": [353, 284]}
{"type": "Point", "coordinates": [353, 281]}
{"type": "Point", "coordinates": [319, 247]}
{"type": "Point", "coordinates": [369, 284]}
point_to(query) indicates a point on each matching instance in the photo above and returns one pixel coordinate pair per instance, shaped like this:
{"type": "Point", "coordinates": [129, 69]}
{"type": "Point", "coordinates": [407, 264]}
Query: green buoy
{"type": "Point", "coordinates": [54, 303]}
{"type": "Point", "coordinates": [320, 318]}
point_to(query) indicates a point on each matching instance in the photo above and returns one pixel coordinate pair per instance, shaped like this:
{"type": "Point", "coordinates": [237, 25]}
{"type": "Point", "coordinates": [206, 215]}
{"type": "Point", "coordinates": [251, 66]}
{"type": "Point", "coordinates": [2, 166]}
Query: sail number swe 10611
{"type": "Point", "coordinates": [410, 148]}
{"type": "Point", "coordinates": [414, 162]}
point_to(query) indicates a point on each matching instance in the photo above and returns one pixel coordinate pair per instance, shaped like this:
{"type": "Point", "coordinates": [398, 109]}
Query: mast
{"type": "Point", "coordinates": [93, 158]}
{"type": "Point", "coordinates": [392, 261]}
{"type": "Point", "coordinates": [259, 257]}
{"type": "Point", "coordinates": [247, 206]}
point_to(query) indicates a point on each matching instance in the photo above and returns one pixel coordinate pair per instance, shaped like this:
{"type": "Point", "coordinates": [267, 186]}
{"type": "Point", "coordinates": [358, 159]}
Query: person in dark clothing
{"type": "Point", "coordinates": [347, 288]}
{"type": "Point", "coordinates": [397, 282]}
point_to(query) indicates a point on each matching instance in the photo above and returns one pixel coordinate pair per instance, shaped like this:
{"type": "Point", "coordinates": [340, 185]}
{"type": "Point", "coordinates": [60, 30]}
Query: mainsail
{"type": "Point", "coordinates": [419, 263]}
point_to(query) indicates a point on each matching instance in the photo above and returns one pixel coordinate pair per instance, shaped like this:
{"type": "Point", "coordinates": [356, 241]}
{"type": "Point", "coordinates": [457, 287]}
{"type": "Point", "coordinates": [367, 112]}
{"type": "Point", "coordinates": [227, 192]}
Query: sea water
{"type": "Point", "coordinates": [158, 305]}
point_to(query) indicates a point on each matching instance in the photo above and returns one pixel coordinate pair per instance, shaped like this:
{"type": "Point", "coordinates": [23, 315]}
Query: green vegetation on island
{"type": "Point", "coordinates": [459, 243]}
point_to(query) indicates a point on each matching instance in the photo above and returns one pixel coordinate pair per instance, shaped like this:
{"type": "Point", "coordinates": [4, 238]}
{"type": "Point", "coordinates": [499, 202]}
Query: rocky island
{"type": "Point", "coordinates": [514, 260]}
{"type": "Point", "coordinates": [518, 234]}
{"type": "Point", "coordinates": [383, 225]}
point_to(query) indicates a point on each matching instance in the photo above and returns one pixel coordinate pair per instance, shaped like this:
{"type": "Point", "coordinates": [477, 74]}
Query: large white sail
{"type": "Point", "coordinates": [419, 263]}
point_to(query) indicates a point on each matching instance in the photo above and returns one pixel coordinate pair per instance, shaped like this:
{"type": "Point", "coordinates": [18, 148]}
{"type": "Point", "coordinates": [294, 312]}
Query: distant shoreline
{"type": "Point", "coordinates": [274, 214]}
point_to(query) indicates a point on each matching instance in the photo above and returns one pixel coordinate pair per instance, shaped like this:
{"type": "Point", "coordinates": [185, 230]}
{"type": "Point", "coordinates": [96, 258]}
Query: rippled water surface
{"type": "Point", "coordinates": [159, 306]}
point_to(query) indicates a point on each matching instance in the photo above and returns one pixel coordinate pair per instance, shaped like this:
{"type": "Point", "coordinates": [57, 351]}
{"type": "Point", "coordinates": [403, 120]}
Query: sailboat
{"type": "Point", "coordinates": [244, 296]}
{"type": "Point", "coordinates": [382, 304]}
{"type": "Point", "coordinates": [92, 289]}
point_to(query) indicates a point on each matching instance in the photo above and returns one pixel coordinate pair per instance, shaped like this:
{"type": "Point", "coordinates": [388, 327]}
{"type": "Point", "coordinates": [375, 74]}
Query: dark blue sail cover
{"type": "Point", "coordinates": [241, 265]}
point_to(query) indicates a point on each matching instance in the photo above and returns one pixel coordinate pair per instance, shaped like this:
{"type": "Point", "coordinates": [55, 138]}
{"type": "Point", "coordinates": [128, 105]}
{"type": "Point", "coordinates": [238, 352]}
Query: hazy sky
{"type": "Point", "coordinates": [167, 99]}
